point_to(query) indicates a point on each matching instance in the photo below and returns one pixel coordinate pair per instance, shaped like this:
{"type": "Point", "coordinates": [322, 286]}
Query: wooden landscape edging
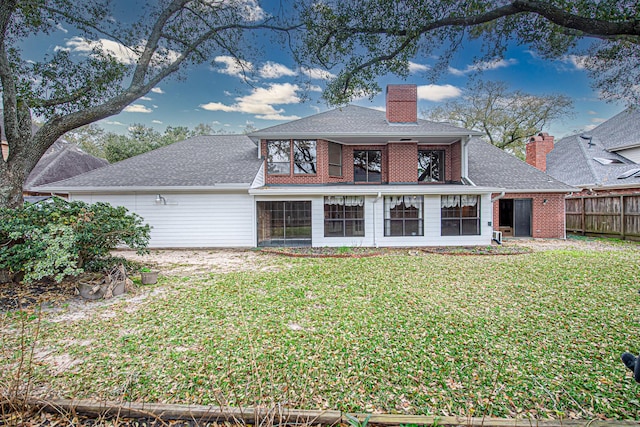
{"type": "Point", "coordinates": [281, 415]}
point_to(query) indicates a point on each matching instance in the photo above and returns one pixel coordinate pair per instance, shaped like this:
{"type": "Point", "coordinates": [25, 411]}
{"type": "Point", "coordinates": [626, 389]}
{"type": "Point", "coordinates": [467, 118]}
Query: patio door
{"type": "Point", "coordinates": [284, 223]}
{"type": "Point", "coordinates": [522, 217]}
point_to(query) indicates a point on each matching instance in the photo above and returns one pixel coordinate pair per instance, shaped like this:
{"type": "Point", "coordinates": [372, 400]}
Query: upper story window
{"type": "Point", "coordinates": [280, 153]}
{"type": "Point", "coordinates": [430, 165]}
{"type": "Point", "coordinates": [279, 157]}
{"type": "Point", "coordinates": [335, 159]}
{"type": "Point", "coordinates": [304, 157]}
{"type": "Point", "coordinates": [367, 166]}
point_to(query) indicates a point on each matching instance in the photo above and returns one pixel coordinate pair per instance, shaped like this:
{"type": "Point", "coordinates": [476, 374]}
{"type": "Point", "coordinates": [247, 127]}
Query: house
{"type": "Point", "coordinates": [603, 161]}
{"type": "Point", "coordinates": [61, 161]}
{"type": "Point", "coordinates": [351, 176]}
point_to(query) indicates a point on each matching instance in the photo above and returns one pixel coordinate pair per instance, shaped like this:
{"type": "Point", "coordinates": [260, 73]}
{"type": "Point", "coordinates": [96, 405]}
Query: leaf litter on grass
{"type": "Point", "coordinates": [529, 335]}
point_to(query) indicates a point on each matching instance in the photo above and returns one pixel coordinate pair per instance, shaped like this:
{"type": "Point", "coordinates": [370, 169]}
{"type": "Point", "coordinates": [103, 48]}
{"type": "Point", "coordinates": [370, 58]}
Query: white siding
{"type": "Point", "coordinates": [190, 220]}
{"type": "Point", "coordinates": [206, 220]}
{"type": "Point", "coordinates": [375, 236]}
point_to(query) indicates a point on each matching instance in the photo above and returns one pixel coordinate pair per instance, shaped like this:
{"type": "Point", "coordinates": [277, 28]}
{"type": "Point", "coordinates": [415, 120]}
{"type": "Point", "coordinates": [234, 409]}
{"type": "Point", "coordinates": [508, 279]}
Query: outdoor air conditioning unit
{"type": "Point", "coordinates": [497, 237]}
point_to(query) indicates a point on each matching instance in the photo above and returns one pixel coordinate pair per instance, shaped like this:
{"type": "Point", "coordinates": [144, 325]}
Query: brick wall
{"type": "Point", "coordinates": [402, 103]}
{"type": "Point", "coordinates": [403, 162]}
{"type": "Point", "coordinates": [537, 149]}
{"type": "Point", "coordinates": [399, 164]}
{"type": "Point", "coordinates": [548, 219]}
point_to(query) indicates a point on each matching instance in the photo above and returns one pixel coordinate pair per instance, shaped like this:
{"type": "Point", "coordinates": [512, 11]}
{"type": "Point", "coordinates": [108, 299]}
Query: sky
{"type": "Point", "coordinates": [219, 95]}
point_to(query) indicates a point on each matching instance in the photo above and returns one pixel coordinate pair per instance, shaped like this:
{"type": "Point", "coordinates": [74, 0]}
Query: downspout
{"type": "Point", "coordinates": [493, 200]}
{"type": "Point", "coordinates": [498, 197]}
{"type": "Point", "coordinates": [464, 156]}
{"type": "Point", "coordinates": [378, 197]}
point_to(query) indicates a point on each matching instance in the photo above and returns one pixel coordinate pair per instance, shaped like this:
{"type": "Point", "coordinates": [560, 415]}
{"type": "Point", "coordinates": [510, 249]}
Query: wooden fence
{"type": "Point", "coordinates": [609, 215]}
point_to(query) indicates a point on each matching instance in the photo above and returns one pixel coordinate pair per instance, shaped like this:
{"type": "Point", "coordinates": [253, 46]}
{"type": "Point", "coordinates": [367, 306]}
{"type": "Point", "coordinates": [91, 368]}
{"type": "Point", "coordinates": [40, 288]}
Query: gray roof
{"type": "Point", "coordinates": [620, 131]}
{"type": "Point", "coordinates": [492, 167]}
{"type": "Point", "coordinates": [201, 161]}
{"type": "Point", "coordinates": [61, 161]}
{"type": "Point", "coordinates": [353, 124]}
{"type": "Point", "coordinates": [573, 158]}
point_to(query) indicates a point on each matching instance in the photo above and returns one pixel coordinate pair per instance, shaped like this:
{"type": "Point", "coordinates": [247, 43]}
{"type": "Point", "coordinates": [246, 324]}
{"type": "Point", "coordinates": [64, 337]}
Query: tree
{"type": "Point", "coordinates": [141, 139]}
{"type": "Point", "coordinates": [370, 38]}
{"type": "Point", "coordinates": [508, 119]}
{"type": "Point", "coordinates": [89, 138]}
{"type": "Point", "coordinates": [67, 91]}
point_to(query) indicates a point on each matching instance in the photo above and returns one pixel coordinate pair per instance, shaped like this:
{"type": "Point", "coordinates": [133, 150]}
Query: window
{"type": "Point", "coordinates": [284, 223]}
{"type": "Point", "coordinates": [403, 216]}
{"type": "Point", "coordinates": [367, 166]}
{"type": "Point", "coordinates": [430, 165]}
{"type": "Point", "coordinates": [460, 215]}
{"type": "Point", "coordinates": [335, 159]}
{"type": "Point", "coordinates": [278, 157]}
{"type": "Point", "coordinates": [343, 216]}
{"type": "Point", "coordinates": [304, 157]}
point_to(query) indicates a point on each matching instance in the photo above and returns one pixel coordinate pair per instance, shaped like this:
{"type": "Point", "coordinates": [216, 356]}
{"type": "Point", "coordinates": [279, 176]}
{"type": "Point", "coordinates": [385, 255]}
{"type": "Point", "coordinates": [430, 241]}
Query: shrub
{"type": "Point", "coordinates": [60, 238]}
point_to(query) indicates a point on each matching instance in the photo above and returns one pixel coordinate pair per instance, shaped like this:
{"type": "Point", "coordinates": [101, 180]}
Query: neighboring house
{"type": "Point", "coordinates": [61, 161]}
{"type": "Point", "coordinates": [351, 176]}
{"type": "Point", "coordinates": [601, 161]}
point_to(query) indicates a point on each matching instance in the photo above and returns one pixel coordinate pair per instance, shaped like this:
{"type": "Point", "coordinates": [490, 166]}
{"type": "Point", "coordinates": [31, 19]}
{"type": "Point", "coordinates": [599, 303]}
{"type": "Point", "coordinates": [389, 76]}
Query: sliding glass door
{"type": "Point", "coordinates": [284, 223]}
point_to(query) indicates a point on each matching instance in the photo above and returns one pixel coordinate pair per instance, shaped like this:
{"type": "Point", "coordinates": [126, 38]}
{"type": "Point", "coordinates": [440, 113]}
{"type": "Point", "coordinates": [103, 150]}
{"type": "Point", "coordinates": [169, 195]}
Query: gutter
{"type": "Point", "coordinates": [498, 197]}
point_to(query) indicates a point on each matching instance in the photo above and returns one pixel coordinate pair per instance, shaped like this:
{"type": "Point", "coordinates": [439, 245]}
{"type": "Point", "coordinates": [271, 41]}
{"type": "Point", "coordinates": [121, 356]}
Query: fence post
{"type": "Point", "coordinates": [622, 227]}
{"type": "Point", "coordinates": [583, 224]}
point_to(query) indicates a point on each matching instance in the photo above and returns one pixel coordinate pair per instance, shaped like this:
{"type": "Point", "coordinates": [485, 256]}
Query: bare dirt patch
{"type": "Point", "coordinates": [180, 262]}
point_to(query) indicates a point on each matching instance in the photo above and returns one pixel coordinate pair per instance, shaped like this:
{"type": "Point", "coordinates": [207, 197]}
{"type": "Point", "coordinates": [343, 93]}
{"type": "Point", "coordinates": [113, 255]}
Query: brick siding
{"type": "Point", "coordinates": [548, 219]}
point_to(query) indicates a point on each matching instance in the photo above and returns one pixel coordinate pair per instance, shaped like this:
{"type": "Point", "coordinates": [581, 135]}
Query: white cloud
{"type": "Point", "coordinates": [483, 66]}
{"type": "Point", "coordinates": [61, 28]}
{"type": "Point", "coordinates": [589, 127]}
{"type": "Point", "coordinates": [578, 62]}
{"type": "Point", "coordinates": [598, 120]}
{"type": "Point", "coordinates": [145, 98]}
{"type": "Point", "coordinates": [273, 70]}
{"type": "Point", "coordinates": [416, 68]}
{"type": "Point", "coordinates": [261, 102]}
{"type": "Point", "coordinates": [250, 10]}
{"type": "Point", "coordinates": [137, 108]}
{"type": "Point", "coordinates": [157, 90]}
{"type": "Point", "coordinates": [591, 112]}
{"type": "Point", "coordinates": [232, 66]}
{"type": "Point", "coordinates": [438, 92]}
{"type": "Point", "coordinates": [215, 122]}
{"type": "Point", "coordinates": [317, 73]}
{"type": "Point", "coordinates": [124, 54]}
{"type": "Point", "coordinates": [158, 122]}
{"type": "Point", "coordinates": [379, 108]}
{"type": "Point", "coordinates": [114, 122]}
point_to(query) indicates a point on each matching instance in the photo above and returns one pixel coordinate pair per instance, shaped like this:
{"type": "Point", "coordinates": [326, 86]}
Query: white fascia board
{"type": "Point", "coordinates": [143, 189]}
{"type": "Point", "coordinates": [371, 190]}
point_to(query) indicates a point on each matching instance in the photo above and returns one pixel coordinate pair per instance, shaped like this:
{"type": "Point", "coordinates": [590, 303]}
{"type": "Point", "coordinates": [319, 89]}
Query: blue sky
{"type": "Point", "coordinates": [217, 93]}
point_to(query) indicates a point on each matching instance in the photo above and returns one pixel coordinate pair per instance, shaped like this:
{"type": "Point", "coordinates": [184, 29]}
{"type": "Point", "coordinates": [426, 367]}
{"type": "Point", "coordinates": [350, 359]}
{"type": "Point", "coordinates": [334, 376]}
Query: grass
{"type": "Point", "coordinates": [535, 335]}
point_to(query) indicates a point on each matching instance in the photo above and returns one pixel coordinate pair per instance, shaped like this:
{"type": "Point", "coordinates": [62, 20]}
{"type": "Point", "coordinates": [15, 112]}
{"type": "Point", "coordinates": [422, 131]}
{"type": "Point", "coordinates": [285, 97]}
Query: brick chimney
{"type": "Point", "coordinates": [537, 149]}
{"type": "Point", "coordinates": [402, 104]}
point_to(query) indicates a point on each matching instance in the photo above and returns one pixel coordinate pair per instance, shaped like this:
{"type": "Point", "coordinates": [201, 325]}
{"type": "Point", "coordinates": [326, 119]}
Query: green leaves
{"type": "Point", "coordinates": [59, 238]}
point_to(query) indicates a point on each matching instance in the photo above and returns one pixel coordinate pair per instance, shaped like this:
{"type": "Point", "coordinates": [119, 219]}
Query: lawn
{"type": "Point", "coordinates": [536, 335]}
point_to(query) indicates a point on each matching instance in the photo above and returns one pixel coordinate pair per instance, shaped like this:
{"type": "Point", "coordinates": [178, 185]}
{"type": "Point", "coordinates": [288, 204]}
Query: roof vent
{"type": "Point", "coordinates": [604, 161]}
{"type": "Point", "coordinates": [589, 138]}
{"type": "Point", "coordinates": [630, 173]}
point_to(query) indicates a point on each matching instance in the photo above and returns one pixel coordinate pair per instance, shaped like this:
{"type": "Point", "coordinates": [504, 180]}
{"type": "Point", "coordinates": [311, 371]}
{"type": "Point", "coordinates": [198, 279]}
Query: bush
{"type": "Point", "coordinates": [59, 238]}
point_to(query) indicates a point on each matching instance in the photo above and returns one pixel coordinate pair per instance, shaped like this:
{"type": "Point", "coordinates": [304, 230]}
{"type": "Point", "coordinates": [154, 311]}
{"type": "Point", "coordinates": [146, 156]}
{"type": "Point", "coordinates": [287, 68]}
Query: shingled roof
{"type": "Point", "coordinates": [353, 123]}
{"type": "Point", "coordinates": [61, 161]}
{"type": "Point", "coordinates": [201, 161]}
{"type": "Point", "coordinates": [578, 159]}
{"type": "Point", "coordinates": [492, 167]}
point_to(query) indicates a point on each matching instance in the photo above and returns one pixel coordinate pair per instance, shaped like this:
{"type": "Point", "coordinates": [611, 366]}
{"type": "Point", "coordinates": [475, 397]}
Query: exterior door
{"type": "Point", "coordinates": [282, 223]}
{"type": "Point", "coordinates": [522, 217]}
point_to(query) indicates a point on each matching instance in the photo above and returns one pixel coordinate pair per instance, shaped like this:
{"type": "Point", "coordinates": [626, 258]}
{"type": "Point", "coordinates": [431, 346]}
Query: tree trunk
{"type": "Point", "coordinates": [10, 188]}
